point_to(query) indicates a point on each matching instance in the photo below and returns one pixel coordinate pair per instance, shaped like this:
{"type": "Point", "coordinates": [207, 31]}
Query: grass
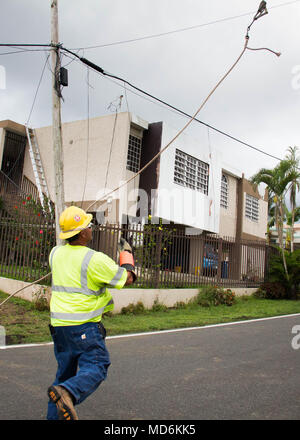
{"type": "Point", "coordinates": [25, 324]}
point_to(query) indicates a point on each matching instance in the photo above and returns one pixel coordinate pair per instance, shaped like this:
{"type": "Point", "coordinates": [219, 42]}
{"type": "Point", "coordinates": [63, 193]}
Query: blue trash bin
{"type": "Point", "coordinates": [224, 269]}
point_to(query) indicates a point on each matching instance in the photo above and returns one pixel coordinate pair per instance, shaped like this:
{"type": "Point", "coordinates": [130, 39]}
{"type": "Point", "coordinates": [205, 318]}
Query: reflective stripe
{"type": "Point", "coordinates": [84, 268]}
{"type": "Point", "coordinates": [83, 278]}
{"type": "Point", "coordinates": [79, 316]}
{"type": "Point", "coordinates": [117, 277]}
{"type": "Point", "coordinates": [78, 290]}
{"type": "Point", "coordinates": [51, 255]}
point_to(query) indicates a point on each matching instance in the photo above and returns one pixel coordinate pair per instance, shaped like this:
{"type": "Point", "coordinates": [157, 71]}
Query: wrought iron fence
{"type": "Point", "coordinates": [164, 257]}
{"type": "Point", "coordinates": [168, 258]}
{"type": "Point", "coordinates": [25, 244]}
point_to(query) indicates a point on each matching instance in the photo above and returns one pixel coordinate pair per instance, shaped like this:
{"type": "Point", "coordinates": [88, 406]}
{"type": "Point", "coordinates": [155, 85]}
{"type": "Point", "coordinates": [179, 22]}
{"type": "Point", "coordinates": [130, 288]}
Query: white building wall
{"type": "Point", "coordinates": [183, 205]}
{"type": "Point", "coordinates": [87, 159]}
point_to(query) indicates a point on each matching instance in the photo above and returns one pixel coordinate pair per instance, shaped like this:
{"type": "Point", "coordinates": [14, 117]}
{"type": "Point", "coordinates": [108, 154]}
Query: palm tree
{"type": "Point", "coordinates": [293, 188]}
{"type": "Point", "coordinates": [277, 181]}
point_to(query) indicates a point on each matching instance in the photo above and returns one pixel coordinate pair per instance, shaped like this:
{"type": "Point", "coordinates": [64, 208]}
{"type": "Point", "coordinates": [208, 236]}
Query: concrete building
{"type": "Point", "coordinates": [188, 184]}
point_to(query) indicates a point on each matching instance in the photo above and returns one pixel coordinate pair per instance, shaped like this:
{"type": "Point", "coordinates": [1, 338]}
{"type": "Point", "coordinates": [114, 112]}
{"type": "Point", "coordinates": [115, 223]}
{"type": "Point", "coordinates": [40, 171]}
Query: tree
{"type": "Point", "coordinates": [278, 181]}
{"type": "Point", "coordinates": [293, 188]}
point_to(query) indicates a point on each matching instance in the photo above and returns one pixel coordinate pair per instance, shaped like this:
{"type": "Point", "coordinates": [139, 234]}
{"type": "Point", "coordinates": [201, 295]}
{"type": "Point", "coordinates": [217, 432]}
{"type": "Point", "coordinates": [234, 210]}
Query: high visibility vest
{"type": "Point", "coordinates": [80, 277]}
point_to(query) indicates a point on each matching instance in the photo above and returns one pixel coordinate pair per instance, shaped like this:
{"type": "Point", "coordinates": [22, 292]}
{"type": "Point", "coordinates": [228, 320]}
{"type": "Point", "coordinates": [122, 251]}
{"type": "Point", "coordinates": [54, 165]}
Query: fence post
{"type": "Point", "coordinates": [267, 262]}
{"type": "Point", "coordinates": [157, 259]}
{"type": "Point", "coordinates": [220, 254]}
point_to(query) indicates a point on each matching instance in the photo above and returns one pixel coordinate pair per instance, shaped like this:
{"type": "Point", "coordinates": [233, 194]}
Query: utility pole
{"type": "Point", "coordinates": [56, 117]}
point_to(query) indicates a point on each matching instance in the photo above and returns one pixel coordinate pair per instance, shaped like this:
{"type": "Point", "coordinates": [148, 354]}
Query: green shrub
{"type": "Point", "coordinates": [180, 305]}
{"type": "Point", "coordinates": [277, 273]}
{"type": "Point", "coordinates": [133, 309]}
{"type": "Point", "coordinates": [158, 307]}
{"type": "Point", "coordinates": [214, 296]}
{"type": "Point", "coordinates": [40, 301]}
{"type": "Point", "coordinates": [271, 290]}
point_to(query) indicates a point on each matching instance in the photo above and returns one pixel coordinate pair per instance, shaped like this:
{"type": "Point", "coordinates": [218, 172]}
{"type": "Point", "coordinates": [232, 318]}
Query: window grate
{"type": "Point", "coordinates": [134, 153]}
{"type": "Point", "coordinates": [224, 192]}
{"type": "Point", "coordinates": [252, 208]}
{"type": "Point", "coordinates": [191, 172]}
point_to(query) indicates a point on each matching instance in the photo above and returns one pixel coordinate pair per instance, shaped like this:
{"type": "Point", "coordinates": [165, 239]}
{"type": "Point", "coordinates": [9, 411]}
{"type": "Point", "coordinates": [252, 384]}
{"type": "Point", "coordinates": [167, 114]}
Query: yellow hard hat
{"type": "Point", "coordinates": [72, 221]}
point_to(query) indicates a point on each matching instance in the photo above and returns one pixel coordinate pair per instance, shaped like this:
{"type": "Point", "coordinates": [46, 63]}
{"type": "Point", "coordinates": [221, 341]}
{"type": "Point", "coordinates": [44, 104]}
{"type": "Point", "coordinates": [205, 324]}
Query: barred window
{"type": "Point", "coordinates": [134, 153]}
{"type": "Point", "coordinates": [252, 208]}
{"type": "Point", "coordinates": [224, 192]}
{"type": "Point", "coordinates": [191, 172]}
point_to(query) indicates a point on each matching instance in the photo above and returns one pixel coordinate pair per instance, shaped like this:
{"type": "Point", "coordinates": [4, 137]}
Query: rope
{"type": "Point", "coordinates": [180, 132]}
{"type": "Point", "coordinates": [260, 13]}
{"type": "Point", "coordinates": [23, 288]}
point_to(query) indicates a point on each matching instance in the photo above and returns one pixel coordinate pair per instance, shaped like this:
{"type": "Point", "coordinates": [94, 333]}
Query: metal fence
{"type": "Point", "coordinates": [168, 258]}
{"type": "Point", "coordinates": [25, 243]}
{"type": "Point", "coordinates": [164, 257]}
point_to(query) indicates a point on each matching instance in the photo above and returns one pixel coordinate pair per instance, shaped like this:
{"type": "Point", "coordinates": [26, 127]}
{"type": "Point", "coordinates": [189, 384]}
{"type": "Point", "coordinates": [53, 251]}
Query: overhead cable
{"type": "Point", "coordinates": [258, 15]}
{"type": "Point", "coordinates": [118, 78]}
{"type": "Point", "coordinates": [184, 29]}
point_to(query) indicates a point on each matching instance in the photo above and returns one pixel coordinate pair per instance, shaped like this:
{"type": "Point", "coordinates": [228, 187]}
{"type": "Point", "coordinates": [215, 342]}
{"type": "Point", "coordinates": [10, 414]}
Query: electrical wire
{"type": "Point", "coordinates": [197, 26]}
{"type": "Point", "coordinates": [88, 133]}
{"type": "Point", "coordinates": [170, 106]}
{"type": "Point", "coordinates": [26, 124]}
{"type": "Point", "coordinates": [190, 120]}
{"type": "Point", "coordinates": [98, 69]}
{"type": "Point", "coordinates": [117, 108]}
{"type": "Point", "coordinates": [36, 93]}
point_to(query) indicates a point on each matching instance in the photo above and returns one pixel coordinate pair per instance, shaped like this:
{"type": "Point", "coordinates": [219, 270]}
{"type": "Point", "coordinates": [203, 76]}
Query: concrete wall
{"type": "Point", "coordinates": [87, 159]}
{"type": "Point", "coordinates": [122, 298]}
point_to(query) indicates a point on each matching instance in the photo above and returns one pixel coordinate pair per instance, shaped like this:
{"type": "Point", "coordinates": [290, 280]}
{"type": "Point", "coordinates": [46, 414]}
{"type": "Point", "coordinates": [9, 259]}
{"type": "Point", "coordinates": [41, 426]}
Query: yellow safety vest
{"type": "Point", "coordinates": [80, 277]}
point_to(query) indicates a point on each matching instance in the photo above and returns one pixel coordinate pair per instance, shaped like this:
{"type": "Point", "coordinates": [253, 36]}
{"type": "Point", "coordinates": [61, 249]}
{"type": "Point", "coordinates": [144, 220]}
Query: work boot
{"type": "Point", "coordinates": [64, 403]}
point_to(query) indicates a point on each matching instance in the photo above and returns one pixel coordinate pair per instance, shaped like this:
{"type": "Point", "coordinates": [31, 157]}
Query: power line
{"type": "Point", "coordinates": [39, 83]}
{"type": "Point", "coordinates": [103, 72]}
{"type": "Point", "coordinates": [188, 28]}
{"type": "Point", "coordinates": [153, 35]}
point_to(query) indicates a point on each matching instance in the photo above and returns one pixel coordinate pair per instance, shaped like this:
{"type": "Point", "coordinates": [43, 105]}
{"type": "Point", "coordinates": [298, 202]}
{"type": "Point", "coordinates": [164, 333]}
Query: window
{"type": "Point", "coordinates": [134, 153]}
{"type": "Point", "coordinates": [191, 172]}
{"type": "Point", "coordinates": [251, 210]}
{"type": "Point", "coordinates": [224, 192]}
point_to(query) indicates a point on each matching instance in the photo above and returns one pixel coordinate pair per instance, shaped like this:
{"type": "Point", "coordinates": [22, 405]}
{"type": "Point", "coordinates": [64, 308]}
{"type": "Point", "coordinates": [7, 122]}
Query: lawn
{"type": "Point", "coordinates": [23, 323]}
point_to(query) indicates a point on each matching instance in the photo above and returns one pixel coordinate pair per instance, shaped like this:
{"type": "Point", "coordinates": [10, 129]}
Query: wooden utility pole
{"type": "Point", "coordinates": [56, 117]}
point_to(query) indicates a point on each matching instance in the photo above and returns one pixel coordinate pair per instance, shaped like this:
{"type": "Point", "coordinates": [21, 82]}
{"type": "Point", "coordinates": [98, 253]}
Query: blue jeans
{"type": "Point", "coordinates": [82, 360]}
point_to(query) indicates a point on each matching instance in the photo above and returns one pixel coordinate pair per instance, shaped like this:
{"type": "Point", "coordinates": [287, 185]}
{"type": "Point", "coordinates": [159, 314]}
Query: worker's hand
{"type": "Point", "coordinates": [127, 261]}
{"type": "Point", "coordinates": [130, 279]}
{"type": "Point", "coordinates": [123, 245]}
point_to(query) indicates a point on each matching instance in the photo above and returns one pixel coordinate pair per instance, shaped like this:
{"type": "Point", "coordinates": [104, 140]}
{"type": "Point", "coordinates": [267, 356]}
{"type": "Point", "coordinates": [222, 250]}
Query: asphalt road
{"type": "Point", "coordinates": [244, 371]}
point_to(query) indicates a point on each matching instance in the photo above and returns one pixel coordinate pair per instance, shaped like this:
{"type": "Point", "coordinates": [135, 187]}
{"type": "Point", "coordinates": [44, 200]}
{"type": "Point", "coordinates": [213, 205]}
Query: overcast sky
{"type": "Point", "coordinates": [258, 103]}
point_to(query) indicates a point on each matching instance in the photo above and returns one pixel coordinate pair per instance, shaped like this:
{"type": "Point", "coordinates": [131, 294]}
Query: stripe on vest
{"type": "Point", "coordinates": [117, 277]}
{"type": "Point", "coordinates": [64, 289]}
{"type": "Point", "coordinates": [79, 316]}
{"type": "Point", "coordinates": [83, 278]}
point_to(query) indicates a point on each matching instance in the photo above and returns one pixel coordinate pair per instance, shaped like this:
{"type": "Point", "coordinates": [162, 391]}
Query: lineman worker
{"type": "Point", "coordinates": [80, 277]}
